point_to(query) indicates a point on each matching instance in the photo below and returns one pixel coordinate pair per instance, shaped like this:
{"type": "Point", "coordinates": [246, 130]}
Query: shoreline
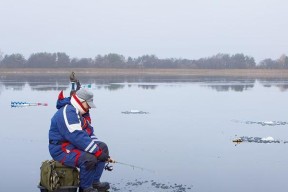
{"type": "Point", "coordinates": [256, 73]}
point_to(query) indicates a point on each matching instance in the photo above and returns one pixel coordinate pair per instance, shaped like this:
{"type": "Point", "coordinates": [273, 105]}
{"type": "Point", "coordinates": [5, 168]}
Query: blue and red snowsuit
{"type": "Point", "coordinates": [71, 137]}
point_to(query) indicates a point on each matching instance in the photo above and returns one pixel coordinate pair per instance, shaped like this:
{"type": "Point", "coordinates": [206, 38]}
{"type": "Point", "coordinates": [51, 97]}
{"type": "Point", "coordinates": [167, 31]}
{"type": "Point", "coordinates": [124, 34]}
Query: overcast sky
{"type": "Point", "coordinates": [167, 28]}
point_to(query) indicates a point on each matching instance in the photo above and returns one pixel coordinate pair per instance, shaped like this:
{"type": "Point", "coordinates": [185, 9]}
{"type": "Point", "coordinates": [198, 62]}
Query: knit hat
{"type": "Point", "coordinates": [86, 96]}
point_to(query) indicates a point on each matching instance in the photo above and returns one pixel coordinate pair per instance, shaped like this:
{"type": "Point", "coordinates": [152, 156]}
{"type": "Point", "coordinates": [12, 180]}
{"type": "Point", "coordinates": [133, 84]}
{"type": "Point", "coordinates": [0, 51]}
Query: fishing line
{"type": "Point", "coordinates": [130, 165]}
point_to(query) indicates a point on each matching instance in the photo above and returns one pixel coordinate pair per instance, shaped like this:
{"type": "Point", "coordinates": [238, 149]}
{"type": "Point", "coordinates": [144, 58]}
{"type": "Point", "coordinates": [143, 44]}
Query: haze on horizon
{"type": "Point", "coordinates": [189, 29]}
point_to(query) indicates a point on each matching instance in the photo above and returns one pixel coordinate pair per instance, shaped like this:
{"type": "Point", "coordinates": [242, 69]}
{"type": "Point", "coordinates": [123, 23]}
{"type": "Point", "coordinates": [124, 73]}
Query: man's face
{"type": "Point", "coordinates": [85, 105]}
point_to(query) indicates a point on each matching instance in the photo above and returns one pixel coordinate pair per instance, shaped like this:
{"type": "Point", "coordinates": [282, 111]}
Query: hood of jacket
{"type": "Point", "coordinates": [62, 102]}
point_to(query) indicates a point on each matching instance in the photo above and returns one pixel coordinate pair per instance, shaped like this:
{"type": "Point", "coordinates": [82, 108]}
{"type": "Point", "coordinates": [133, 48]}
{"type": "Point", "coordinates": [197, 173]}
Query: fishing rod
{"type": "Point", "coordinates": [109, 168]}
{"type": "Point", "coordinates": [26, 104]}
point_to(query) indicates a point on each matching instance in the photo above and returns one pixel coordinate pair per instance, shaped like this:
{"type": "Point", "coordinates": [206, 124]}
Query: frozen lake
{"type": "Point", "coordinates": [184, 143]}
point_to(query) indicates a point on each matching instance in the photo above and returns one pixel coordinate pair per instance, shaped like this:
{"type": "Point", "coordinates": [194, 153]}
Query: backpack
{"type": "Point", "coordinates": [54, 175]}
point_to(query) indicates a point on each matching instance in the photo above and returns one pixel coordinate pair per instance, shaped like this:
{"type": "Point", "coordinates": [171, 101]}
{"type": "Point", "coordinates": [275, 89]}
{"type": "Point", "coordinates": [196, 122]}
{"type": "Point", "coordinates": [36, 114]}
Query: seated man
{"type": "Point", "coordinates": [73, 143]}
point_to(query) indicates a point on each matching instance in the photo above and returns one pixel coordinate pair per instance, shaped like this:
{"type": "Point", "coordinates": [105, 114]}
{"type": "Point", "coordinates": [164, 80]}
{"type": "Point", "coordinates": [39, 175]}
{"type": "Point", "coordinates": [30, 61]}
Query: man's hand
{"type": "Point", "coordinates": [110, 160]}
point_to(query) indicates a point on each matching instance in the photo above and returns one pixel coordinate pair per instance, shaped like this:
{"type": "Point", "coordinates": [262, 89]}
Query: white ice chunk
{"type": "Point", "coordinates": [267, 139]}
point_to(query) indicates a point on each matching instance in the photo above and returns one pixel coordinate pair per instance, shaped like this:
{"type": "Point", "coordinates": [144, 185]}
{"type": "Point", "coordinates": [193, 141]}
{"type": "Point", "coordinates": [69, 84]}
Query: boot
{"type": "Point", "coordinates": [101, 186]}
{"type": "Point", "coordinates": [90, 189]}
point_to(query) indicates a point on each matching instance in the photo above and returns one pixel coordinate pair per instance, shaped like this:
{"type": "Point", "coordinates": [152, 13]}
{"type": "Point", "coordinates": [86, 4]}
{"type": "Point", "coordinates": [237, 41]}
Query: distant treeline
{"type": "Point", "coordinates": [112, 60]}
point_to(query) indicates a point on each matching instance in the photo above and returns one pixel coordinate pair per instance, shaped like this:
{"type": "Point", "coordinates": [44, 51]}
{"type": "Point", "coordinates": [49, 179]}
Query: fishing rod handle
{"type": "Point", "coordinates": [111, 160]}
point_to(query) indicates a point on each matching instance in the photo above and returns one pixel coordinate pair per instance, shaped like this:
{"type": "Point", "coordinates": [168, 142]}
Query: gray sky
{"type": "Point", "coordinates": [167, 28]}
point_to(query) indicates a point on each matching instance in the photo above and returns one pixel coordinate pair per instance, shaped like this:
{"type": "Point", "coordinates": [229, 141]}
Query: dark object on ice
{"type": "Point", "coordinates": [237, 140]}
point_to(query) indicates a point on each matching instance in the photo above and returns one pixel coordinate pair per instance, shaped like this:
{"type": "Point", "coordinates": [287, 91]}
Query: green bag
{"type": "Point", "coordinates": [54, 175]}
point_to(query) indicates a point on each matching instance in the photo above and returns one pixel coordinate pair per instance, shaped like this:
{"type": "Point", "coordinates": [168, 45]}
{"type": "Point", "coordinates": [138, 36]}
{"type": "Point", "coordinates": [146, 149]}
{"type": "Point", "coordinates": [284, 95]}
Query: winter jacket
{"type": "Point", "coordinates": [71, 132]}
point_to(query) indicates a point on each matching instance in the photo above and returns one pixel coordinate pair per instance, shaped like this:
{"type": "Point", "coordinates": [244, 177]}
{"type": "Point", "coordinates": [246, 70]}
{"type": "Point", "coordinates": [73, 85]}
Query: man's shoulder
{"type": "Point", "coordinates": [71, 109]}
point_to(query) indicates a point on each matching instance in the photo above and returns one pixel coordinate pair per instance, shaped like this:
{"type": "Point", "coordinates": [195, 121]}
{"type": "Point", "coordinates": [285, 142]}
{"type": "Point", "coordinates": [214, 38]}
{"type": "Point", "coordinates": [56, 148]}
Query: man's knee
{"type": "Point", "coordinates": [104, 147]}
{"type": "Point", "coordinates": [88, 160]}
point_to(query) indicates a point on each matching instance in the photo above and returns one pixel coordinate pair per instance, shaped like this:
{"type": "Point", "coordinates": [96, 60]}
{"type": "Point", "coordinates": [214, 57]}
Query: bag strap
{"type": "Point", "coordinates": [54, 177]}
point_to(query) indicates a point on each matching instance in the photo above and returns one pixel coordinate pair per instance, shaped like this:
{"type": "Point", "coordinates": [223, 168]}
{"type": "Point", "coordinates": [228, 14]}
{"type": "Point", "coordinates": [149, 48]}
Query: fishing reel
{"type": "Point", "coordinates": [108, 167]}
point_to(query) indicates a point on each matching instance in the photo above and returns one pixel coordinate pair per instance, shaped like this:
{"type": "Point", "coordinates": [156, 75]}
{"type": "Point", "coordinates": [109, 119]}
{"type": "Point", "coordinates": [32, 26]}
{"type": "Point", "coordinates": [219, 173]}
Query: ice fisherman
{"type": "Point", "coordinates": [73, 143]}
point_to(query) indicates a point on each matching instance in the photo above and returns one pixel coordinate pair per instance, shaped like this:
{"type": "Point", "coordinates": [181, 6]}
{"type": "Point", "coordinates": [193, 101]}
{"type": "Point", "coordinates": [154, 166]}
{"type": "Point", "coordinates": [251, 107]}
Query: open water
{"type": "Point", "coordinates": [184, 142]}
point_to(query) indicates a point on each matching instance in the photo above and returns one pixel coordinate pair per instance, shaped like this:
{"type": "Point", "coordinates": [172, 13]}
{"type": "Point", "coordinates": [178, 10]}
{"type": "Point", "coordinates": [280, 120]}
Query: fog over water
{"type": "Point", "coordinates": [167, 28]}
{"type": "Point", "coordinates": [183, 143]}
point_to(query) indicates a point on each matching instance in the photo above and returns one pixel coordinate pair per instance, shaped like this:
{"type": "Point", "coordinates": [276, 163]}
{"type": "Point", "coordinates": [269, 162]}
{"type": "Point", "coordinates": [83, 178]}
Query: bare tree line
{"type": "Point", "coordinates": [113, 60]}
